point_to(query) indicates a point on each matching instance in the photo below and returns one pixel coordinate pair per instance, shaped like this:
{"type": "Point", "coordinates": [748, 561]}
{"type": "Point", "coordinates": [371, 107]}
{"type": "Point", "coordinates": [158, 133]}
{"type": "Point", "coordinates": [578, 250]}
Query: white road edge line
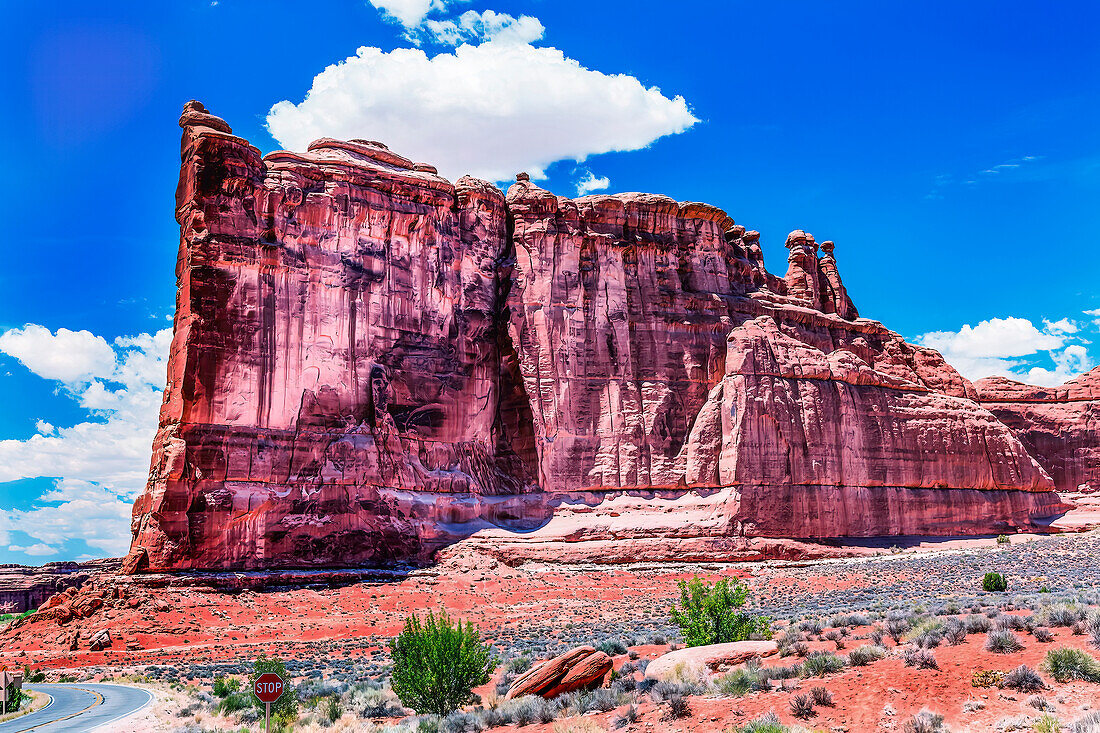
{"type": "Point", "coordinates": [135, 711]}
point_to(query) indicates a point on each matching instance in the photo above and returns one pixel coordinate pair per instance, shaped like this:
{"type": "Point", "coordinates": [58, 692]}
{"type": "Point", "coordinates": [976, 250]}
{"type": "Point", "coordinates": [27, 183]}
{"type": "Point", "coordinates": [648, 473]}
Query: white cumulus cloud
{"type": "Point", "coordinates": [1069, 363]}
{"type": "Point", "coordinates": [101, 463]}
{"type": "Point", "coordinates": [409, 13]}
{"type": "Point", "coordinates": [486, 26]}
{"type": "Point", "coordinates": [38, 549]}
{"type": "Point", "coordinates": [589, 183]}
{"type": "Point", "coordinates": [1005, 346]}
{"type": "Point", "coordinates": [66, 356]}
{"type": "Point", "coordinates": [490, 110]}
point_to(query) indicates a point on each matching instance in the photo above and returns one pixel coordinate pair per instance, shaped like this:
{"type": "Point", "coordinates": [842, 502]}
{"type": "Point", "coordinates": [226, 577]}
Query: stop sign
{"type": "Point", "coordinates": [268, 687]}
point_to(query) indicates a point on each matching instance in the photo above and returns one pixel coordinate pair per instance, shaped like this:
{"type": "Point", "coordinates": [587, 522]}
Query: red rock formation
{"type": "Point", "coordinates": [334, 391]}
{"type": "Point", "coordinates": [370, 363]}
{"type": "Point", "coordinates": [1059, 425]}
{"type": "Point", "coordinates": [27, 588]}
{"type": "Point", "coordinates": [582, 668]}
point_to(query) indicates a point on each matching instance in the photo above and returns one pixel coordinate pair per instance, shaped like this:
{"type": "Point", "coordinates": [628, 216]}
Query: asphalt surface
{"type": "Point", "coordinates": [79, 707]}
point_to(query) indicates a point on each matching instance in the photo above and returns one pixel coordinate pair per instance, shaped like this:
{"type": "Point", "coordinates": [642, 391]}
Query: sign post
{"type": "Point", "coordinates": [267, 689]}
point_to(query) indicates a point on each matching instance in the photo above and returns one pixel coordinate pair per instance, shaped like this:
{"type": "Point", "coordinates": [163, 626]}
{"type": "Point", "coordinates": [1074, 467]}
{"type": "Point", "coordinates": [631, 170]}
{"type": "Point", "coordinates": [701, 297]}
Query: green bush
{"type": "Point", "coordinates": [286, 707]}
{"type": "Point", "coordinates": [236, 701]}
{"type": "Point", "coordinates": [819, 664]}
{"type": "Point", "coordinates": [1065, 664]}
{"type": "Point", "coordinates": [436, 664]}
{"type": "Point", "coordinates": [1002, 539]}
{"type": "Point", "coordinates": [226, 686]}
{"type": "Point", "coordinates": [33, 676]}
{"type": "Point", "coordinates": [709, 614]}
{"type": "Point", "coordinates": [994, 583]}
{"type": "Point", "coordinates": [16, 700]}
{"type": "Point", "coordinates": [864, 655]}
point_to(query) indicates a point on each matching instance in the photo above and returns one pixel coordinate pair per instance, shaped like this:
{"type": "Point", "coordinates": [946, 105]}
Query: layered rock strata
{"type": "Point", "coordinates": [1058, 425]}
{"type": "Point", "coordinates": [370, 363]}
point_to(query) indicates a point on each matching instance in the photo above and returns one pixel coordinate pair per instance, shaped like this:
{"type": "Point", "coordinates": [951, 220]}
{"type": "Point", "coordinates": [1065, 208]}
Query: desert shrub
{"type": "Point", "coordinates": [1024, 679]}
{"type": "Point", "coordinates": [519, 665]}
{"type": "Point", "coordinates": [1040, 703]}
{"type": "Point", "coordinates": [461, 722]}
{"type": "Point", "coordinates": [921, 659]}
{"type": "Point", "coordinates": [1047, 724]}
{"type": "Point", "coordinates": [1011, 623]}
{"type": "Point", "coordinates": [1002, 539]}
{"type": "Point", "coordinates": [331, 709]}
{"type": "Point", "coordinates": [371, 701]}
{"type": "Point", "coordinates": [821, 696]}
{"type": "Point", "coordinates": [850, 619]}
{"type": "Point", "coordinates": [954, 632]}
{"type": "Point", "coordinates": [33, 676]}
{"type": "Point", "coordinates": [810, 626]}
{"type": "Point", "coordinates": [800, 648]}
{"type": "Point", "coordinates": [835, 637]}
{"type": "Point", "coordinates": [738, 682]}
{"type": "Point", "coordinates": [625, 718]}
{"type": "Point", "coordinates": [1000, 641]}
{"type": "Point", "coordinates": [1088, 724]}
{"type": "Point", "coordinates": [896, 628]}
{"type": "Point", "coordinates": [1092, 626]}
{"type": "Point", "coordinates": [819, 664]}
{"type": "Point", "coordinates": [994, 582]}
{"type": "Point", "coordinates": [611, 647]}
{"type": "Point", "coordinates": [602, 700]}
{"type": "Point", "coordinates": [1061, 615]}
{"type": "Point", "coordinates": [520, 711]}
{"type": "Point", "coordinates": [1065, 664]}
{"type": "Point", "coordinates": [436, 663]}
{"type": "Point", "coordinates": [665, 689]}
{"type": "Point", "coordinates": [286, 707]}
{"type": "Point", "coordinates": [925, 722]}
{"type": "Point", "coordinates": [776, 673]}
{"type": "Point", "coordinates": [710, 614]}
{"type": "Point", "coordinates": [876, 635]}
{"type": "Point", "coordinates": [802, 706]}
{"type": "Point", "coordinates": [676, 706]}
{"type": "Point", "coordinates": [767, 723]}
{"type": "Point", "coordinates": [976, 624]}
{"type": "Point", "coordinates": [226, 686]}
{"type": "Point", "coordinates": [234, 702]}
{"type": "Point", "coordinates": [927, 634]}
{"type": "Point", "coordinates": [1043, 634]}
{"type": "Point", "coordinates": [864, 655]}
{"type": "Point", "coordinates": [986, 678]}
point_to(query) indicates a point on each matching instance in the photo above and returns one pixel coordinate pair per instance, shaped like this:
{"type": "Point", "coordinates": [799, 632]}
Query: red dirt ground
{"type": "Point", "coordinates": [202, 624]}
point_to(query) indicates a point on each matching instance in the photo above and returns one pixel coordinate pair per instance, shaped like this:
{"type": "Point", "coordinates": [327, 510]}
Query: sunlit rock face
{"type": "Point", "coordinates": [1060, 426]}
{"type": "Point", "coordinates": [371, 363]}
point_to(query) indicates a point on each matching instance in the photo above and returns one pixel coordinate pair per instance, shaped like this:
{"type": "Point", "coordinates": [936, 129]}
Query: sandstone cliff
{"type": "Point", "coordinates": [370, 363]}
{"type": "Point", "coordinates": [1059, 425]}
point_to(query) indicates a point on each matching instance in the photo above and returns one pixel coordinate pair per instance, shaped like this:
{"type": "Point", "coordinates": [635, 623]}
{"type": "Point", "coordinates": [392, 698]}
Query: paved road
{"type": "Point", "coordinates": [79, 707]}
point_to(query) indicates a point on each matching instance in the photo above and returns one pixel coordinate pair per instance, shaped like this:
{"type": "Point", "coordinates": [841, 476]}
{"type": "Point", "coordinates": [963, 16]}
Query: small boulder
{"type": "Point", "coordinates": [585, 674]}
{"type": "Point", "coordinates": [100, 640]}
{"type": "Point", "coordinates": [545, 676]}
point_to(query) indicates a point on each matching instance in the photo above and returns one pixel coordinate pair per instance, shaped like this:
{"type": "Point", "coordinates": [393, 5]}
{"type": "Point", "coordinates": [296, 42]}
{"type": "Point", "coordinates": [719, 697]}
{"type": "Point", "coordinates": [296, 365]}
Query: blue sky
{"type": "Point", "coordinates": [949, 148]}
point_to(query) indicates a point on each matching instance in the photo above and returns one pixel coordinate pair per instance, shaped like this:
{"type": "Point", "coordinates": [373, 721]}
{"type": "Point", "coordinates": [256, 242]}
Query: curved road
{"type": "Point", "coordinates": [79, 707]}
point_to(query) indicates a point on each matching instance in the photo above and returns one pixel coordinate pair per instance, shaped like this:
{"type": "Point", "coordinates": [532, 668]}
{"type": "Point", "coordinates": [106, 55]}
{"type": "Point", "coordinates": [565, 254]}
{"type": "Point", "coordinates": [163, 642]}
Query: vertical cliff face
{"type": "Point", "coordinates": [334, 391]}
{"type": "Point", "coordinates": [1059, 425]}
{"type": "Point", "coordinates": [370, 363]}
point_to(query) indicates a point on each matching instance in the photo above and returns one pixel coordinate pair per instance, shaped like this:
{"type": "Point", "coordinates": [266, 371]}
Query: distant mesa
{"type": "Point", "coordinates": [371, 363]}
